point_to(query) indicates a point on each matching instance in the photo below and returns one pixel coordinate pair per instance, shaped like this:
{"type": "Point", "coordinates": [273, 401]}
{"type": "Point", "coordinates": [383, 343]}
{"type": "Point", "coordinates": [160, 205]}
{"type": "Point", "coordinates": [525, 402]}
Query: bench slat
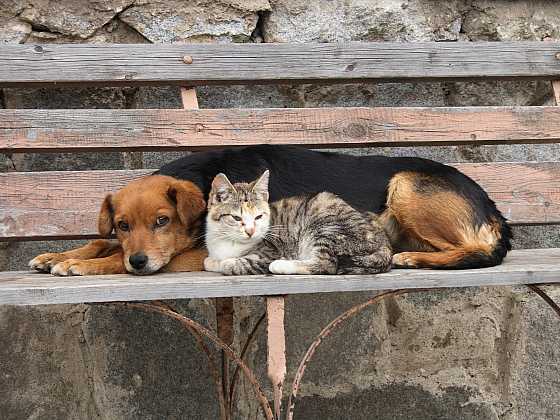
{"type": "Point", "coordinates": [24, 130]}
{"type": "Point", "coordinates": [273, 63]}
{"type": "Point", "coordinates": [57, 204]}
{"type": "Point", "coordinates": [24, 288]}
{"type": "Point", "coordinates": [35, 205]}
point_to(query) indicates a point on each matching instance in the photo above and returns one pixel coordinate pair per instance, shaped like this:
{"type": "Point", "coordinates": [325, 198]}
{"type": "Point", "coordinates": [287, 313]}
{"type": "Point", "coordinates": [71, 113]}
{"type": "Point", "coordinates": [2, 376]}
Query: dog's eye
{"type": "Point", "coordinates": [236, 218]}
{"type": "Point", "coordinates": [258, 217]}
{"type": "Point", "coordinates": [162, 221]}
{"type": "Point", "coordinates": [123, 226]}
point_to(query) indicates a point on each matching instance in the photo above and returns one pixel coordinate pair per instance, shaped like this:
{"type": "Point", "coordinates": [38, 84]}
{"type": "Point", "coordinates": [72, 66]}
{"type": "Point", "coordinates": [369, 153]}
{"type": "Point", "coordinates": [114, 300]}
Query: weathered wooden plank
{"type": "Point", "coordinates": [35, 205]}
{"type": "Point", "coordinates": [24, 288]}
{"type": "Point", "coordinates": [273, 63]}
{"type": "Point", "coordinates": [525, 192]}
{"type": "Point", "coordinates": [56, 204]}
{"type": "Point", "coordinates": [173, 129]}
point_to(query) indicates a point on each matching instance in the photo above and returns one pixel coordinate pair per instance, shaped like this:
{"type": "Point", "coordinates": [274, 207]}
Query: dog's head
{"type": "Point", "coordinates": [155, 218]}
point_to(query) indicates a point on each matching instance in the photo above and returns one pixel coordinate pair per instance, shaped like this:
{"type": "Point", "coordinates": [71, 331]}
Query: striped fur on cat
{"type": "Point", "coordinates": [316, 234]}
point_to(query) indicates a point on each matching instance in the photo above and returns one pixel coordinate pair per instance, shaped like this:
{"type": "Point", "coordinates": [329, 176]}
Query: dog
{"type": "Point", "coordinates": [436, 217]}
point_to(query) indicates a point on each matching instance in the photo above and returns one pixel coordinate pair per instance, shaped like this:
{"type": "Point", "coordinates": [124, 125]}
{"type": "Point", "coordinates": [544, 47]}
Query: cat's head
{"type": "Point", "coordinates": [239, 212]}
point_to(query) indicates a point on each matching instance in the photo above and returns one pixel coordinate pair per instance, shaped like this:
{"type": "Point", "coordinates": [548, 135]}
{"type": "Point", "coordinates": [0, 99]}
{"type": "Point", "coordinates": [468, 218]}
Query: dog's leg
{"type": "Point", "coordinates": [191, 260]}
{"type": "Point", "coordinates": [435, 227]}
{"type": "Point", "coordinates": [112, 264]}
{"type": "Point", "coordinates": [93, 249]}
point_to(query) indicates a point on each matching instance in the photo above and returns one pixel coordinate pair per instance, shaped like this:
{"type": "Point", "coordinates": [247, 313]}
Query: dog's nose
{"type": "Point", "coordinates": [138, 260]}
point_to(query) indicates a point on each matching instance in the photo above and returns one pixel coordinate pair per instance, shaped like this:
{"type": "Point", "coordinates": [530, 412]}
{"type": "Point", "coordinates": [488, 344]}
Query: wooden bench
{"type": "Point", "coordinates": [54, 205]}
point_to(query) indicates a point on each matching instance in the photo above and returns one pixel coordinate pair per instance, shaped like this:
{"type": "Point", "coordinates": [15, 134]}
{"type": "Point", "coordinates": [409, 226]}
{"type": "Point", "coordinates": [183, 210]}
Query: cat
{"type": "Point", "coordinates": [315, 234]}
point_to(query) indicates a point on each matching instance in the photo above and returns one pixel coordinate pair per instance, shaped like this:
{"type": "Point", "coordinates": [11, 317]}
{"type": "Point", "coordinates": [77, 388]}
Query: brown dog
{"type": "Point", "coordinates": [157, 220]}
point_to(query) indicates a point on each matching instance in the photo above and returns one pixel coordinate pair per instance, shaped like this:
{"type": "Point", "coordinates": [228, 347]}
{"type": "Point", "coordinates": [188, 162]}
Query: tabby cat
{"type": "Point", "coordinates": [316, 234]}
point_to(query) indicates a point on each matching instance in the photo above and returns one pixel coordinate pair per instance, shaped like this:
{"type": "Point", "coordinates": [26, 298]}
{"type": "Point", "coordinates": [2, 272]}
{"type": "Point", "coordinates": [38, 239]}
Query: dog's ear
{"type": "Point", "coordinates": [105, 219]}
{"type": "Point", "coordinates": [189, 201]}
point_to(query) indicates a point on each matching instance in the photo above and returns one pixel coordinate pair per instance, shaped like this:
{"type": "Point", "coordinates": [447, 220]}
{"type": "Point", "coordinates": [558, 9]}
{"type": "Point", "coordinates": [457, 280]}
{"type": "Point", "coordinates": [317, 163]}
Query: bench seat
{"type": "Point", "coordinates": [529, 266]}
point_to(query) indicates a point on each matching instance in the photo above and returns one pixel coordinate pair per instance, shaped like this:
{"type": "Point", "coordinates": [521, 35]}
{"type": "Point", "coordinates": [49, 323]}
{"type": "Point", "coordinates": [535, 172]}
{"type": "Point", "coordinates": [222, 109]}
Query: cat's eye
{"type": "Point", "coordinates": [123, 226]}
{"type": "Point", "coordinates": [236, 218]}
{"type": "Point", "coordinates": [259, 217]}
{"type": "Point", "coordinates": [162, 221]}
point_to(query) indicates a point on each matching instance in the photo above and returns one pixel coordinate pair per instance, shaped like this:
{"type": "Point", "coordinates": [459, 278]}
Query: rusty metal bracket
{"type": "Point", "coordinates": [212, 367]}
{"type": "Point", "coordinates": [248, 342]}
{"type": "Point", "coordinates": [331, 326]}
{"type": "Point", "coordinates": [535, 288]}
{"type": "Point", "coordinates": [190, 324]}
{"type": "Point", "coordinates": [224, 327]}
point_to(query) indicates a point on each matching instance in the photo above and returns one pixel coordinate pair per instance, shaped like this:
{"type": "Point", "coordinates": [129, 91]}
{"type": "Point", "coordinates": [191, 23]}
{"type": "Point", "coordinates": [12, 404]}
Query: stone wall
{"type": "Point", "coordinates": [461, 354]}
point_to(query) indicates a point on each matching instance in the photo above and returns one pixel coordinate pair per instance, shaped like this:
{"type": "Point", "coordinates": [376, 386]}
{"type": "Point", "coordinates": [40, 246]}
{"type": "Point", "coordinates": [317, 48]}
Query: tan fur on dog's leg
{"type": "Point", "coordinates": [191, 260]}
{"type": "Point", "coordinates": [113, 264]}
{"type": "Point", "coordinates": [93, 249]}
{"type": "Point", "coordinates": [433, 227]}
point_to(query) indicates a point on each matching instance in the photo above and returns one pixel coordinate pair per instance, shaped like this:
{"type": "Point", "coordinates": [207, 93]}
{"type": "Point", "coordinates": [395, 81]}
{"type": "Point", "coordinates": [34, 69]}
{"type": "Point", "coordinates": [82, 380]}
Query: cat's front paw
{"type": "Point", "coordinates": [229, 267]}
{"type": "Point", "coordinates": [210, 264]}
{"type": "Point", "coordinates": [283, 267]}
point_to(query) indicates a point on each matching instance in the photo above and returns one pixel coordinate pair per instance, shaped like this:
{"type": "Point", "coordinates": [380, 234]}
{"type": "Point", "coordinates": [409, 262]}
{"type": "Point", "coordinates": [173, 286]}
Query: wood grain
{"type": "Point", "coordinates": [24, 288]}
{"type": "Point", "coordinates": [556, 91]}
{"type": "Point", "coordinates": [162, 64]}
{"type": "Point", "coordinates": [172, 129]}
{"type": "Point", "coordinates": [56, 204]}
{"type": "Point", "coordinates": [35, 205]}
{"type": "Point", "coordinates": [525, 192]}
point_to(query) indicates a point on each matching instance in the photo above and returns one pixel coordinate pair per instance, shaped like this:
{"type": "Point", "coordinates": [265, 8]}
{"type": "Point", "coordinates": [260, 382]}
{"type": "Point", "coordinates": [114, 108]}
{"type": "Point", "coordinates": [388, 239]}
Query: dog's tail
{"type": "Point", "coordinates": [485, 247]}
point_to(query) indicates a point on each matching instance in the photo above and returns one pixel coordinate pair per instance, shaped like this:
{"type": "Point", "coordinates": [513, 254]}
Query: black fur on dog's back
{"type": "Point", "coordinates": [361, 181]}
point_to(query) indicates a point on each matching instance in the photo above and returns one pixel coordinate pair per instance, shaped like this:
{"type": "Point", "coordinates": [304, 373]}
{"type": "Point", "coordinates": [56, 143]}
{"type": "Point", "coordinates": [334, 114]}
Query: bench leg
{"type": "Point", "coordinates": [224, 327]}
{"type": "Point", "coordinates": [276, 338]}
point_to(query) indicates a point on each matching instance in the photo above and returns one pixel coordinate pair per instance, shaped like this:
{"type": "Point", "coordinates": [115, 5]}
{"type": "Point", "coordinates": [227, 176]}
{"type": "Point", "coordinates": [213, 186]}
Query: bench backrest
{"type": "Point", "coordinates": [40, 205]}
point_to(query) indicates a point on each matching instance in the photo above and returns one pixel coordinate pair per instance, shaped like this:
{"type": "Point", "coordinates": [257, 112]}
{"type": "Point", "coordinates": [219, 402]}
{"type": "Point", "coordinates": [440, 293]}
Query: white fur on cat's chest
{"type": "Point", "coordinates": [220, 249]}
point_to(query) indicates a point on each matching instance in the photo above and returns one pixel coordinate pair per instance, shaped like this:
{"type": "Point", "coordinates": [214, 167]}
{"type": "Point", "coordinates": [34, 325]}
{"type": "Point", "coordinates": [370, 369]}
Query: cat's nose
{"type": "Point", "coordinates": [250, 230]}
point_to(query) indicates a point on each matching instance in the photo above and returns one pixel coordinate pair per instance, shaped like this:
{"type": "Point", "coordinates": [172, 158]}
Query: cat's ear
{"type": "Point", "coordinates": [221, 189]}
{"type": "Point", "coordinates": [260, 186]}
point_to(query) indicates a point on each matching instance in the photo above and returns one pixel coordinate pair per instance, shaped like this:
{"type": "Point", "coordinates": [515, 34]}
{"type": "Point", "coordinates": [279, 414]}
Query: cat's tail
{"type": "Point", "coordinates": [378, 262]}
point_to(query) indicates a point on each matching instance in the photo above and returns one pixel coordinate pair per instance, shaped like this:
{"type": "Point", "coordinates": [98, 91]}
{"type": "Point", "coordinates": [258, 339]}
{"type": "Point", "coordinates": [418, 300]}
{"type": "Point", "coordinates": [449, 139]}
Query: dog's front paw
{"type": "Point", "coordinates": [45, 262]}
{"type": "Point", "coordinates": [210, 264]}
{"type": "Point", "coordinates": [70, 267]}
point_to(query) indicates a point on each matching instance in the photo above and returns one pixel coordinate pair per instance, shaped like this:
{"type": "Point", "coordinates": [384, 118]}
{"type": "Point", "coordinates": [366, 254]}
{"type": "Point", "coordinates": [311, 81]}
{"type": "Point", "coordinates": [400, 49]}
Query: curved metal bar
{"type": "Point", "coordinates": [535, 288]}
{"type": "Point", "coordinates": [248, 342]}
{"type": "Point", "coordinates": [326, 332]}
{"type": "Point", "coordinates": [187, 322]}
{"type": "Point", "coordinates": [212, 367]}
